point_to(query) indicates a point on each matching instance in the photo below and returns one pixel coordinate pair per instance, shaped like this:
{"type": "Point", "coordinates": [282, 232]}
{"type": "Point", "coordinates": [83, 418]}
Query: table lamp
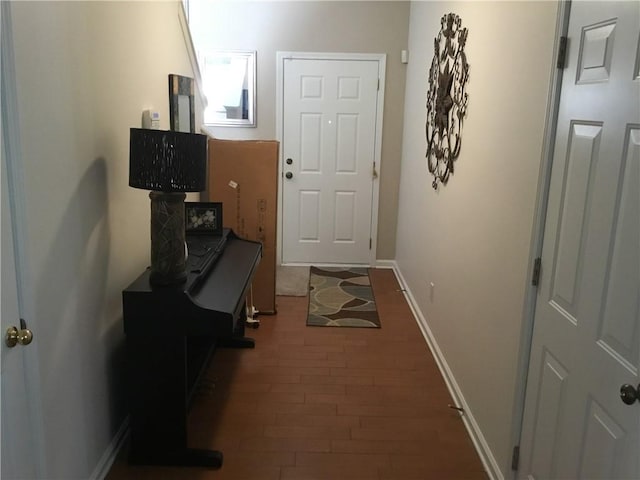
{"type": "Point", "coordinates": [168, 163]}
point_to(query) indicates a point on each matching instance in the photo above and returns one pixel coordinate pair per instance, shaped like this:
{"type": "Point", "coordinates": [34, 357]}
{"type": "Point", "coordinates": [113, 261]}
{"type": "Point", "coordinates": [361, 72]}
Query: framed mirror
{"type": "Point", "coordinates": [229, 83]}
{"type": "Point", "coordinates": [181, 104]}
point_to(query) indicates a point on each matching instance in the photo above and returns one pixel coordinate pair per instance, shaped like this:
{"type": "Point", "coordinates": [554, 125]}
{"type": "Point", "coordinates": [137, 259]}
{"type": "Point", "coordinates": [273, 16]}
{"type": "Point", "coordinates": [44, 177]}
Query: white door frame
{"type": "Point", "coordinates": [381, 58]}
{"type": "Point", "coordinates": [540, 214]}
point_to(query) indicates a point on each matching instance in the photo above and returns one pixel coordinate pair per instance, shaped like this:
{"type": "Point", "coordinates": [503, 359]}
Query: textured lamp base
{"type": "Point", "coordinates": [168, 264]}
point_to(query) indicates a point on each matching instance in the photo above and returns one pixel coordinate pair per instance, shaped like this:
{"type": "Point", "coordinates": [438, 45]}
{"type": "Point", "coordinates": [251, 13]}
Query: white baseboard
{"type": "Point", "coordinates": [486, 456]}
{"type": "Point", "coordinates": [385, 264]}
{"type": "Point", "coordinates": [112, 451]}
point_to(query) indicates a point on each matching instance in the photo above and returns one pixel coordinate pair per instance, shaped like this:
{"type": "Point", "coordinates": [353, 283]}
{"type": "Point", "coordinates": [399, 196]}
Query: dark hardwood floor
{"type": "Point", "coordinates": [327, 403]}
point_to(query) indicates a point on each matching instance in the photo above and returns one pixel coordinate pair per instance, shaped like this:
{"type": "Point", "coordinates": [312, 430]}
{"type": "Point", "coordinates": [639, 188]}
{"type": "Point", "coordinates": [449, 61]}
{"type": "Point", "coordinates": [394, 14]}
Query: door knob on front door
{"type": "Point", "coordinates": [629, 394]}
{"type": "Point", "coordinates": [15, 336]}
{"type": "Point", "coordinates": [289, 175]}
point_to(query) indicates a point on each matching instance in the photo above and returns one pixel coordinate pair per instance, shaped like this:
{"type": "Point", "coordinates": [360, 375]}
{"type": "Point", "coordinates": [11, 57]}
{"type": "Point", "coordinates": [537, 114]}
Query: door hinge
{"type": "Point", "coordinates": [562, 53]}
{"type": "Point", "coordinates": [515, 458]}
{"type": "Point", "coordinates": [378, 84]}
{"type": "Point", "coordinates": [537, 265]}
{"type": "Point", "coordinates": [370, 242]}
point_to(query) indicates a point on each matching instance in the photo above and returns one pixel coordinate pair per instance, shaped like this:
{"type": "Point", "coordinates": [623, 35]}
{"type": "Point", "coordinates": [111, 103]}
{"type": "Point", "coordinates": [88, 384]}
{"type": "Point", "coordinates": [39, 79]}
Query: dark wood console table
{"type": "Point", "coordinates": [170, 334]}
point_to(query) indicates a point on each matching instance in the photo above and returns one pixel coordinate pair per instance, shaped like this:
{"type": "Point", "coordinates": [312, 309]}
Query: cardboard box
{"type": "Point", "coordinates": [243, 175]}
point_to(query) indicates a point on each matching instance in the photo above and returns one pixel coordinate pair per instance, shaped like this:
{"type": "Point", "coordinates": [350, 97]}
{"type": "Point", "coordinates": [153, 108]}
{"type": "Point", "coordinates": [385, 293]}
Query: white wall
{"type": "Point", "coordinates": [85, 71]}
{"type": "Point", "coordinates": [315, 26]}
{"type": "Point", "coordinates": [472, 237]}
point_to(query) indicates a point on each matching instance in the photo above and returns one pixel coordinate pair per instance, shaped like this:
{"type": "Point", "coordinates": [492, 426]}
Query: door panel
{"type": "Point", "coordinates": [347, 142]}
{"type": "Point", "coordinates": [618, 323]}
{"type": "Point", "coordinates": [602, 439]}
{"type": "Point", "coordinates": [569, 254]}
{"type": "Point", "coordinates": [596, 50]}
{"type": "Point", "coordinates": [586, 334]}
{"type": "Point", "coordinates": [345, 216]}
{"type": "Point", "coordinates": [550, 402]}
{"type": "Point", "coordinates": [310, 142]}
{"type": "Point", "coordinates": [329, 133]}
{"type": "Point", "coordinates": [309, 216]}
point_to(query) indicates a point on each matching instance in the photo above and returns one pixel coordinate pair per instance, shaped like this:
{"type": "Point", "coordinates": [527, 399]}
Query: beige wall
{"type": "Point", "coordinates": [472, 238]}
{"type": "Point", "coordinates": [316, 26]}
{"type": "Point", "coordinates": [85, 71]}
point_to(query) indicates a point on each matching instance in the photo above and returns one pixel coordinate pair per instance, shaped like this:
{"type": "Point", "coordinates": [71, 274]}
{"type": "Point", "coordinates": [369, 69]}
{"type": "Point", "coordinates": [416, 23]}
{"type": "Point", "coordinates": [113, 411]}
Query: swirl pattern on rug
{"type": "Point", "coordinates": [341, 297]}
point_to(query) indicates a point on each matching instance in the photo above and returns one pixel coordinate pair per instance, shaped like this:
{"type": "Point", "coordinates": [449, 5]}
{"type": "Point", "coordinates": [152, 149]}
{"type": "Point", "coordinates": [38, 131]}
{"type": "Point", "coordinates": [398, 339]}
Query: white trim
{"type": "Point", "coordinates": [326, 265]}
{"type": "Point", "coordinates": [375, 195]}
{"type": "Point", "coordinates": [479, 442]}
{"type": "Point", "coordinates": [385, 264]}
{"type": "Point", "coordinates": [279, 133]}
{"type": "Point", "coordinates": [537, 235]}
{"type": "Point", "coordinates": [112, 451]}
{"type": "Point", "coordinates": [191, 52]}
{"type": "Point", "coordinates": [381, 58]}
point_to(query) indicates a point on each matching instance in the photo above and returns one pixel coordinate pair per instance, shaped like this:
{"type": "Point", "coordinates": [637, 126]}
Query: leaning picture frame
{"type": "Point", "coordinates": [182, 114]}
{"type": "Point", "coordinates": [203, 218]}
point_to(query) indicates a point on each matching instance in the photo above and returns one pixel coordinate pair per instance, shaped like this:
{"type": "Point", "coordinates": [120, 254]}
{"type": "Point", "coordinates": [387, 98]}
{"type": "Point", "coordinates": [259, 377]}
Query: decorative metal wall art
{"type": "Point", "coordinates": [446, 98]}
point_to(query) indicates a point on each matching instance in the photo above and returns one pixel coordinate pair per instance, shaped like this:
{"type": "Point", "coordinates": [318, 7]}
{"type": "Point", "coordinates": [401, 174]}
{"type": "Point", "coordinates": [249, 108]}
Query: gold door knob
{"type": "Point", "coordinates": [15, 336]}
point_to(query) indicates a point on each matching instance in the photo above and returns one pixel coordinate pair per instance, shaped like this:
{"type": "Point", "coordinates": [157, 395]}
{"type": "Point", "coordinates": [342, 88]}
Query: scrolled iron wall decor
{"type": "Point", "coordinates": [446, 98]}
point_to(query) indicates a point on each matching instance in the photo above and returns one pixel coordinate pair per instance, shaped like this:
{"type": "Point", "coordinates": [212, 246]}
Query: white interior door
{"type": "Point", "coordinates": [586, 337]}
{"type": "Point", "coordinates": [20, 454]}
{"type": "Point", "coordinates": [328, 150]}
{"type": "Point", "coordinates": [17, 443]}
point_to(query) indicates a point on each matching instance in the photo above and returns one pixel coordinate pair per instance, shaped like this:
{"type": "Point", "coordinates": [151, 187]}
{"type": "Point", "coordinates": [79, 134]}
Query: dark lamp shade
{"type": "Point", "coordinates": [167, 161]}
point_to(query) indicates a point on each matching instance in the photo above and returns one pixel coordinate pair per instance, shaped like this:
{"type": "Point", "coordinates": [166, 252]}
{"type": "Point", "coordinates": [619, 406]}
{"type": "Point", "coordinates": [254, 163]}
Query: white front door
{"type": "Point", "coordinates": [329, 149]}
{"type": "Point", "coordinates": [20, 453]}
{"type": "Point", "coordinates": [586, 338]}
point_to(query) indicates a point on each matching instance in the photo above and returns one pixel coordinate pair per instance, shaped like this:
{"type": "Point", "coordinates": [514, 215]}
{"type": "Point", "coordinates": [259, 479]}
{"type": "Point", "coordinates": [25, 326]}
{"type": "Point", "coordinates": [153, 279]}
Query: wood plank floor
{"type": "Point", "coordinates": [327, 403]}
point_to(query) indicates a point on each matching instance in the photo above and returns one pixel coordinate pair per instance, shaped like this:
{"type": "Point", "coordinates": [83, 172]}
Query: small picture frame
{"type": "Point", "coordinates": [203, 218]}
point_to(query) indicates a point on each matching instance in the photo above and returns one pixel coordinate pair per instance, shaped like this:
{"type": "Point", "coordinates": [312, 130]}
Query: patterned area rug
{"type": "Point", "coordinates": [341, 297]}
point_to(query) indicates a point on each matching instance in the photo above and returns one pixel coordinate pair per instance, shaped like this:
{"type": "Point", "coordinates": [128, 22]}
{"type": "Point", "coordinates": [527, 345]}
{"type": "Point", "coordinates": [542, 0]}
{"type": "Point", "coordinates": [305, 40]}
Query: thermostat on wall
{"type": "Point", "coordinates": [150, 119]}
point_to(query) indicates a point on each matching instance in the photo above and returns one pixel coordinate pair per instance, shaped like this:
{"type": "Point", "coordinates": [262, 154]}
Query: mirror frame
{"type": "Point", "coordinates": [251, 56]}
